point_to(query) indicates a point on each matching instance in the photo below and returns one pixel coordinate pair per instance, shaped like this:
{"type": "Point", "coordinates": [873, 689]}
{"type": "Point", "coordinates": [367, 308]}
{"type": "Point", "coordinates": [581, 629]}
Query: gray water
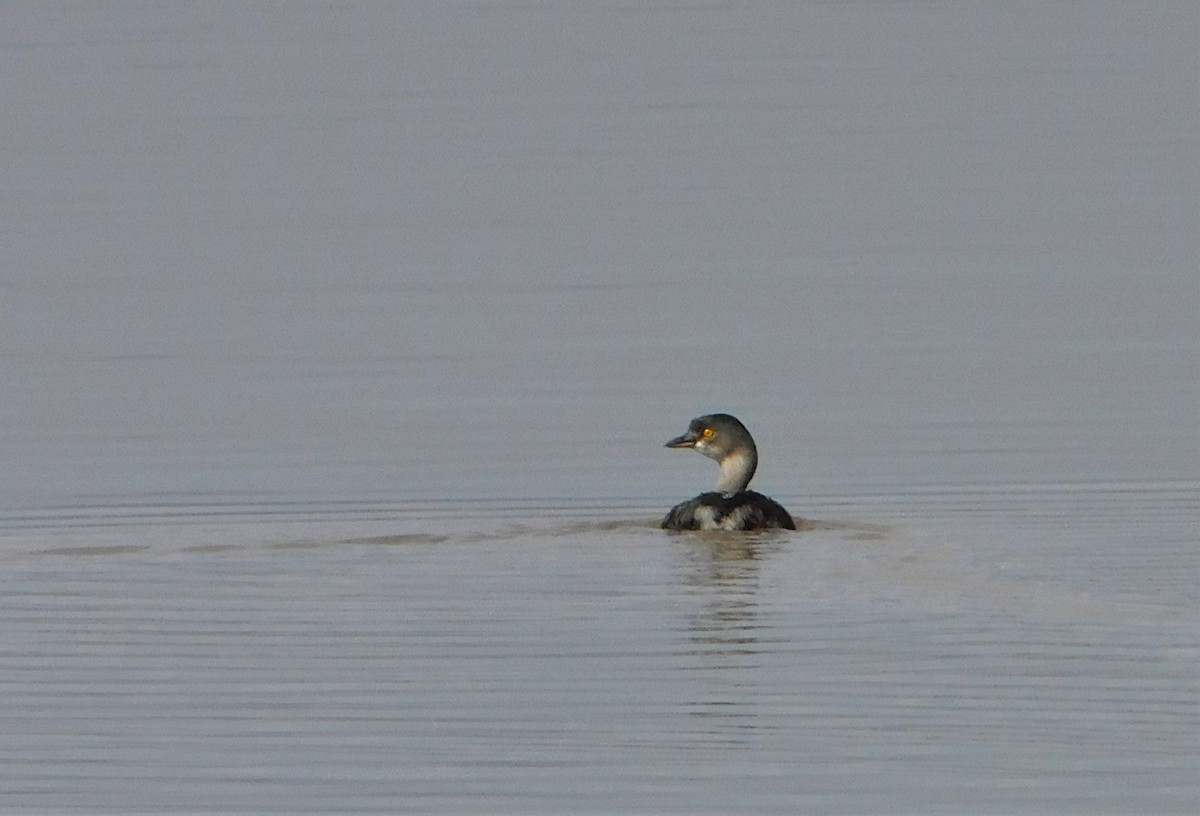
{"type": "Point", "coordinates": [339, 343]}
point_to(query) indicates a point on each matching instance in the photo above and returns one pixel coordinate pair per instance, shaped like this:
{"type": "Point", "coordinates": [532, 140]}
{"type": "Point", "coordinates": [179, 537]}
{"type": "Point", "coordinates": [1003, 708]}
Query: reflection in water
{"type": "Point", "coordinates": [722, 570]}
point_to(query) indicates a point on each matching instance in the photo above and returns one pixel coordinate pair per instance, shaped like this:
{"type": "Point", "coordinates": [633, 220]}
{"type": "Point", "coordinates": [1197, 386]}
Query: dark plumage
{"type": "Point", "coordinates": [731, 507]}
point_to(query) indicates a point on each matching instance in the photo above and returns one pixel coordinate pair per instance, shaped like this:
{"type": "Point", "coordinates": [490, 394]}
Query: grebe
{"type": "Point", "coordinates": [731, 507]}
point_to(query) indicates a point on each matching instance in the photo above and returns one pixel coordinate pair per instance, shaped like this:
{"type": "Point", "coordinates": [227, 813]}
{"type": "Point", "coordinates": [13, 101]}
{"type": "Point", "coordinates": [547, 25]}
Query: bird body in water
{"type": "Point", "coordinates": [731, 506]}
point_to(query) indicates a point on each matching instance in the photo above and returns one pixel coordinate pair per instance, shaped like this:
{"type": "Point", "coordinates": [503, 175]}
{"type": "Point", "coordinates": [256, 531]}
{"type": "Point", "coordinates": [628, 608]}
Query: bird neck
{"type": "Point", "coordinates": [737, 468]}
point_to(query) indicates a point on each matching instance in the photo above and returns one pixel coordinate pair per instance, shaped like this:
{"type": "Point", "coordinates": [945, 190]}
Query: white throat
{"type": "Point", "coordinates": [736, 471]}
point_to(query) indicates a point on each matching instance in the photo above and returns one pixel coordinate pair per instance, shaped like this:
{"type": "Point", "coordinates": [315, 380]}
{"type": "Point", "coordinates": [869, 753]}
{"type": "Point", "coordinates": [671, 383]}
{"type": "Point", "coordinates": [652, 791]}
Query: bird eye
{"type": "Point", "coordinates": [709, 433]}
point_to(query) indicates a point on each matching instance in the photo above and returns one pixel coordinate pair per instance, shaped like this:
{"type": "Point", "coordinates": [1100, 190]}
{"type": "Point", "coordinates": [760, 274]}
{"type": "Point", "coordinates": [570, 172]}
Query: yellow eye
{"type": "Point", "coordinates": [709, 433]}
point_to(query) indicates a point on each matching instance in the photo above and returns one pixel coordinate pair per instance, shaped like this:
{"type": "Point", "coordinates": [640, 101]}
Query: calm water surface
{"type": "Point", "coordinates": [551, 661]}
{"type": "Point", "coordinates": [340, 343]}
